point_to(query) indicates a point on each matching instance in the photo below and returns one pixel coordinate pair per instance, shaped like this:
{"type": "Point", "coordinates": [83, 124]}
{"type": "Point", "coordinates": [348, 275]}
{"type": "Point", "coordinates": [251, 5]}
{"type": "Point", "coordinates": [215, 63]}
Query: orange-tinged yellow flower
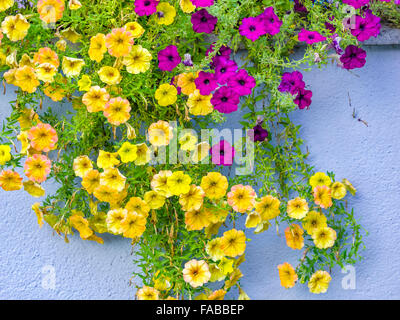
{"type": "Point", "coordinates": [117, 111]}
{"type": "Point", "coordinates": [287, 275]}
{"type": "Point", "coordinates": [147, 293]}
{"type": "Point", "coordinates": [10, 180]}
{"type": "Point", "coordinates": [95, 99]}
{"type": "Point", "coordinates": [113, 178]}
{"type": "Point", "coordinates": [97, 47]}
{"type": "Point", "coordinates": [81, 165]}
{"type": "Point", "coordinates": [297, 208]}
{"type": "Point", "coordinates": [82, 225]}
{"type": "Point", "coordinates": [322, 196]}
{"type": "Point", "coordinates": [198, 104]}
{"type": "Point", "coordinates": [109, 75]}
{"type": "Point", "coordinates": [26, 79]}
{"type": "Point", "coordinates": [197, 219]}
{"type": "Point", "coordinates": [242, 198]}
{"type": "Point", "coordinates": [37, 167]}
{"type": "Point", "coordinates": [154, 199]}
{"type": "Point", "coordinates": [233, 243]}
{"type": "Point", "coordinates": [196, 273]}
{"type": "Point", "coordinates": [214, 185]}
{"type": "Point", "coordinates": [45, 72]}
{"type": "Point", "coordinates": [324, 237]}
{"type": "Point", "coordinates": [91, 180]}
{"type": "Point", "coordinates": [46, 55]}
{"type": "Point", "coordinates": [319, 282]}
{"type": "Point", "coordinates": [135, 29]}
{"type": "Point", "coordinates": [179, 183]}
{"type": "Point", "coordinates": [160, 133]}
{"type": "Point", "coordinates": [54, 90]}
{"type": "Point", "coordinates": [6, 4]}
{"type": "Point", "coordinates": [5, 154]}
{"type": "Point", "coordinates": [106, 194]}
{"type": "Point", "coordinates": [268, 207]}
{"type": "Point", "coordinates": [50, 11]}
{"type": "Point", "coordinates": [119, 42]}
{"type": "Point", "coordinates": [43, 137]}
{"type": "Point", "coordinates": [34, 189]}
{"type": "Point", "coordinates": [133, 225]}
{"type": "Point", "coordinates": [159, 183]}
{"type": "Point", "coordinates": [186, 82]}
{"type": "Point", "coordinates": [115, 218]}
{"type": "Point", "coordinates": [320, 179]}
{"type": "Point", "coordinates": [192, 200]}
{"type": "Point", "coordinates": [72, 67]}
{"type": "Point", "coordinates": [294, 236]}
{"type": "Point", "coordinates": [15, 27]}
{"type": "Point", "coordinates": [138, 60]}
{"type": "Point", "coordinates": [314, 221]}
{"type": "Point", "coordinates": [136, 204]}
{"type": "Point", "coordinates": [107, 160]}
{"type": "Point", "coordinates": [217, 295]}
{"type": "Point", "coordinates": [213, 249]}
{"type": "Point", "coordinates": [338, 190]}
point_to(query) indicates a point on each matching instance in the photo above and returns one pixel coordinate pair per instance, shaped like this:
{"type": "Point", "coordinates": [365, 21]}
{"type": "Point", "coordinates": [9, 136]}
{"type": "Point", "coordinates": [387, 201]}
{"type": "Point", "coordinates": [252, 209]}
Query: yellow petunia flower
{"type": "Point", "coordinates": [117, 111]}
{"type": "Point", "coordinates": [226, 265]}
{"type": "Point", "coordinates": [81, 165]}
{"type": "Point", "coordinates": [160, 133]}
{"type": "Point", "coordinates": [314, 221]}
{"type": "Point", "coordinates": [159, 183]}
{"type": "Point", "coordinates": [322, 196]}
{"type": "Point", "coordinates": [37, 167]}
{"type": "Point", "coordinates": [166, 95]}
{"type": "Point", "coordinates": [10, 180]}
{"type": "Point", "coordinates": [186, 82]}
{"type": "Point", "coordinates": [338, 190]}
{"type": "Point", "coordinates": [115, 218]}
{"type": "Point", "coordinates": [193, 199]}
{"type": "Point", "coordinates": [216, 273]}
{"type": "Point", "coordinates": [34, 189]}
{"type": "Point", "coordinates": [199, 105]}
{"type": "Point", "coordinates": [233, 243]}
{"type": "Point", "coordinates": [46, 55]}
{"type": "Point", "coordinates": [133, 225]}
{"type": "Point", "coordinates": [196, 273]}
{"type": "Point", "coordinates": [197, 219]}
{"type": "Point", "coordinates": [214, 185]}
{"type": "Point", "coordinates": [15, 27]}
{"type": "Point", "coordinates": [26, 79]}
{"type": "Point", "coordinates": [268, 207]}
{"type": "Point", "coordinates": [113, 178]}
{"type": "Point", "coordinates": [85, 83]}
{"type": "Point", "coordinates": [213, 249]}
{"type": "Point", "coordinates": [165, 13]}
{"type": "Point", "coordinates": [43, 137]}
{"type": "Point", "coordinates": [107, 160]}
{"type": "Point", "coordinates": [143, 154]}
{"type": "Point", "coordinates": [188, 141]}
{"type": "Point", "coordinates": [23, 138]}
{"type": "Point", "coordinates": [136, 204]}
{"type": "Point", "coordinates": [287, 275]}
{"type": "Point", "coordinates": [297, 208]}
{"type": "Point", "coordinates": [5, 154]}
{"type": "Point", "coordinates": [119, 42]}
{"type": "Point", "coordinates": [319, 282]}
{"type": "Point", "coordinates": [50, 11]}
{"type": "Point", "coordinates": [138, 60]}
{"type": "Point", "coordinates": [179, 183]}
{"type": "Point", "coordinates": [91, 180]}
{"type": "Point", "coordinates": [95, 99]}
{"type": "Point", "coordinates": [45, 72]}
{"type": "Point", "coordinates": [72, 67]}
{"type": "Point", "coordinates": [6, 4]}
{"type": "Point", "coordinates": [294, 237]}
{"type": "Point", "coordinates": [82, 225]}
{"type": "Point", "coordinates": [106, 194]}
{"type": "Point", "coordinates": [242, 198]}
{"type": "Point", "coordinates": [324, 237]}
{"type": "Point", "coordinates": [320, 179]}
{"type": "Point", "coordinates": [201, 151]}
{"type": "Point", "coordinates": [187, 6]}
{"type": "Point", "coordinates": [97, 47]}
{"type": "Point", "coordinates": [109, 75]}
{"type": "Point", "coordinates": [217, 295]}
{"type": "Point", "coordinates": [154, 199]}
{"type": "Point", "coordinates": [147, 293]}
{"type": "Point", "coordinates": [127, 152]}
{"type": "Point", "coordinates": [253, 220]}
{"type": "Point", "coordinates": [135, 29]}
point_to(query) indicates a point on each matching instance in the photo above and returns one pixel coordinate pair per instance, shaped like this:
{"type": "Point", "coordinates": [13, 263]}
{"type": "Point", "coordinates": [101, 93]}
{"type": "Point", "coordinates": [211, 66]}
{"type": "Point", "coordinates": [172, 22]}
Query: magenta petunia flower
{"type": "Point", "coordinates": [310, 37]}
{"type": "Point", "coordinates": [303, 98]}
{"type": "Point", "coordinates": [203, 3]}
{"type": "Point", "coordinates": [291, 82]}
{"type": "Point", "coordinates": [367, 27]}
{"type": "Point", "coordinates": [203, 22]}
{"type": "Point", "coordinates": [168, 58]}
{"type": "Point", "coordinates": [252, 28]}
{"type": "Point", "coordinates": [259, 133]}
{"type": "Point", "coordinates": [225, 100]}
{"type": "Point", "coordinates": [224, 69]}
{"type": "Point", "coordinates": [222, 153]}
{"type": "Point", "coordinates": [271, 21]}
{"type": "Point", "coordinates": [242, 83]}
{"type": "Point", "coordinates": [356, 3]}
{"type": "Point", "coordinates": [205, 83]}
{"type": "Point", "coordinates": [330, 27]}
{"type": "Point", "coordinates": [146, 7]}
{"type": "Point", "coordinates": [353, 57]}
{"type": "Point", "coordinates": [223, 51]}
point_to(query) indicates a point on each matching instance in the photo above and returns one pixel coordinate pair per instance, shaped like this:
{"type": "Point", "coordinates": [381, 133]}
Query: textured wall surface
{"type": "Point", "coordinates": [367, 156]}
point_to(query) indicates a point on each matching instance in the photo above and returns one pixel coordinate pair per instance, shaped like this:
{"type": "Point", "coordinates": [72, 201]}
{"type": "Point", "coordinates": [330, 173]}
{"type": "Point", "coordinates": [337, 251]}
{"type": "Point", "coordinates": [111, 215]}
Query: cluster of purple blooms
{"type": "Point", "coordinates": [293, 83]}
{"type": "Point", "coordinates": [265, 23]}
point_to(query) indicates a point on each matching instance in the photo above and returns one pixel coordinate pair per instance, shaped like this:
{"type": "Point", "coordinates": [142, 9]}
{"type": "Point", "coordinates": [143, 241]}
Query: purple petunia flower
{"type": "Point", "coordinates": [310, 37]}
{"type": "Point", "coordinates": [202, 21]}
{"type": "Point", "coordinates": [291, 82]}
{"type": "Point", "coordinates": [336, 44]}
{"type": "Point", "coordinates": [222, 153]}
{"type": "Point", "coordinates": [259, 133]}
{"type": "Point", "coordinates": [299, 7]}
{"type": "Point", "coordinates": [242, 83]}
{"type": "Point", "coordinates": [356, 3]}
{"type": "Point", "coordinates": [146, 7]}
{"type": "Point", "coordinates": [367, 27]}
{"type": "Point", "coordinates": [187, 60]}
{"type": "Point", "coordinates": [202, 3]}
{"type": "Point", "coordinates": [252, 28]}
{"type": "Point", "coordinates": [224, 69]}
{"type": "Point", "coordinates": [353, 57]}
{"type": "Point", "coordinates": [271, 21]}
{"type": "Point", "coordinates": [225, 100]}
{"type": "Point", "coordinates": [168, 58]}
{"type": "Point", "coordinates": [303, 98]}
{"type": "Point", "coordinates": [205, 83]}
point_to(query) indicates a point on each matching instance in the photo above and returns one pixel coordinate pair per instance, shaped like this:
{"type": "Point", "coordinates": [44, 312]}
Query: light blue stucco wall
{"type": "Point", "coordinates": [368, 156]}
